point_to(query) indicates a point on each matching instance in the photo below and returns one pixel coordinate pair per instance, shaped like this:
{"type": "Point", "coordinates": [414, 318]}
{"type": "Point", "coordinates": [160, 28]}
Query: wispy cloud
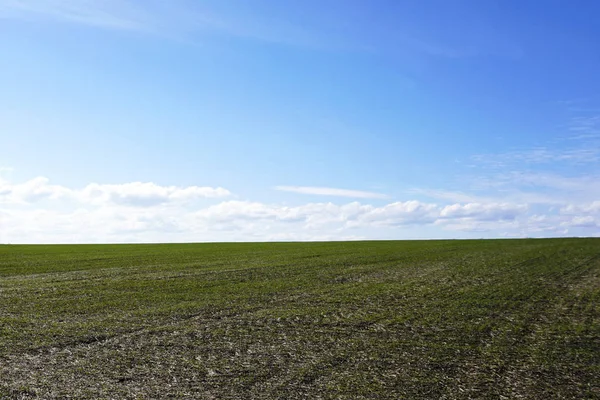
{"type": "Point", "coordinates": [121, 14]}
{"type": "Point", "coordinates": [539, 155]}
{"type": "Point", "coordinates": [580, 144]}
{"type": "Point", "coordinates": [531, 187]}
{"type": "Point", "coordinates": [561, 172]}
{"type": "Point", "coordinates": [516, 187]}
{"type": "Point", "coordinates": [191, 20]}
{"type": "Point", "coordinates": [584, 127]}
{"type": "Point", "coordinates": [333, 192]}
{"type": "Point", "coordinates": [176, 19]}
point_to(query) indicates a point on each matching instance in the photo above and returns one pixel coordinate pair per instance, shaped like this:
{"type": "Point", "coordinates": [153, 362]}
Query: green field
{"type": "Point", "coordinates": [486, 319]}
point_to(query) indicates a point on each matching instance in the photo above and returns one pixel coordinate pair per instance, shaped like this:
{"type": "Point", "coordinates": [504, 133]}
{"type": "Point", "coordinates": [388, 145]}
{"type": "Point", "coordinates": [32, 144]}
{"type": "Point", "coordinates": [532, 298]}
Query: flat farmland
{"type": "Point", "coordinates": [481, 319]}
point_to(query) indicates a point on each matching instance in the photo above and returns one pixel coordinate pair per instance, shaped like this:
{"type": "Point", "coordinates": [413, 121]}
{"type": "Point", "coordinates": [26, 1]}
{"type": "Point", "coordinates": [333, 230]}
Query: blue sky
{"type": "Point", "coordinates": [137, 121]}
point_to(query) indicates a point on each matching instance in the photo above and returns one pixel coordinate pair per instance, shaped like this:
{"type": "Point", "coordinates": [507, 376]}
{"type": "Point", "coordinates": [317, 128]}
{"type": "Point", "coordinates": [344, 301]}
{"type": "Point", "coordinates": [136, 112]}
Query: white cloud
{"type": "Point", "coordinates": [146, 193]}
{"type": "Point", "coordinates": [319, 214]}
{"type": "Point", "coordinates": [478, 217]}
{"type": "Point", "coordinates": [583, 222]}
{"type": "Point", "coordinates": [398, 213]}
{"type": "Point", "coordinates": [309, 216]}
{"type": "Point", "coordinates": [132, 194]}
{"type": "Point", "coordinates": [37, 211]}
{"type": "Point", "coordinates": [232, 210]}
{"type": "Point", "coordinates": [581, 215]}
{"type": "Point", "coordinates": [589, 208]}
{"type": "Point", "coordinates": [483, 212]}
{"type": "Point", "coordinates": [333, 192]}
{"type": "Point", "coordinates": [33, 190]}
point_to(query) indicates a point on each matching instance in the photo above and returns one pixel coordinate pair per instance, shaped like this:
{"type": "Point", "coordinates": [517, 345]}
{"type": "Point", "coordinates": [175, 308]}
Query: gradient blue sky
{"type": "Point", "coordinates": [128, 121]}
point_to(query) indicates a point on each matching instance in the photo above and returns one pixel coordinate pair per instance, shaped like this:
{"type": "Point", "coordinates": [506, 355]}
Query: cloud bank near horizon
{"type": "Point", "coordinates": [37, 211]}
